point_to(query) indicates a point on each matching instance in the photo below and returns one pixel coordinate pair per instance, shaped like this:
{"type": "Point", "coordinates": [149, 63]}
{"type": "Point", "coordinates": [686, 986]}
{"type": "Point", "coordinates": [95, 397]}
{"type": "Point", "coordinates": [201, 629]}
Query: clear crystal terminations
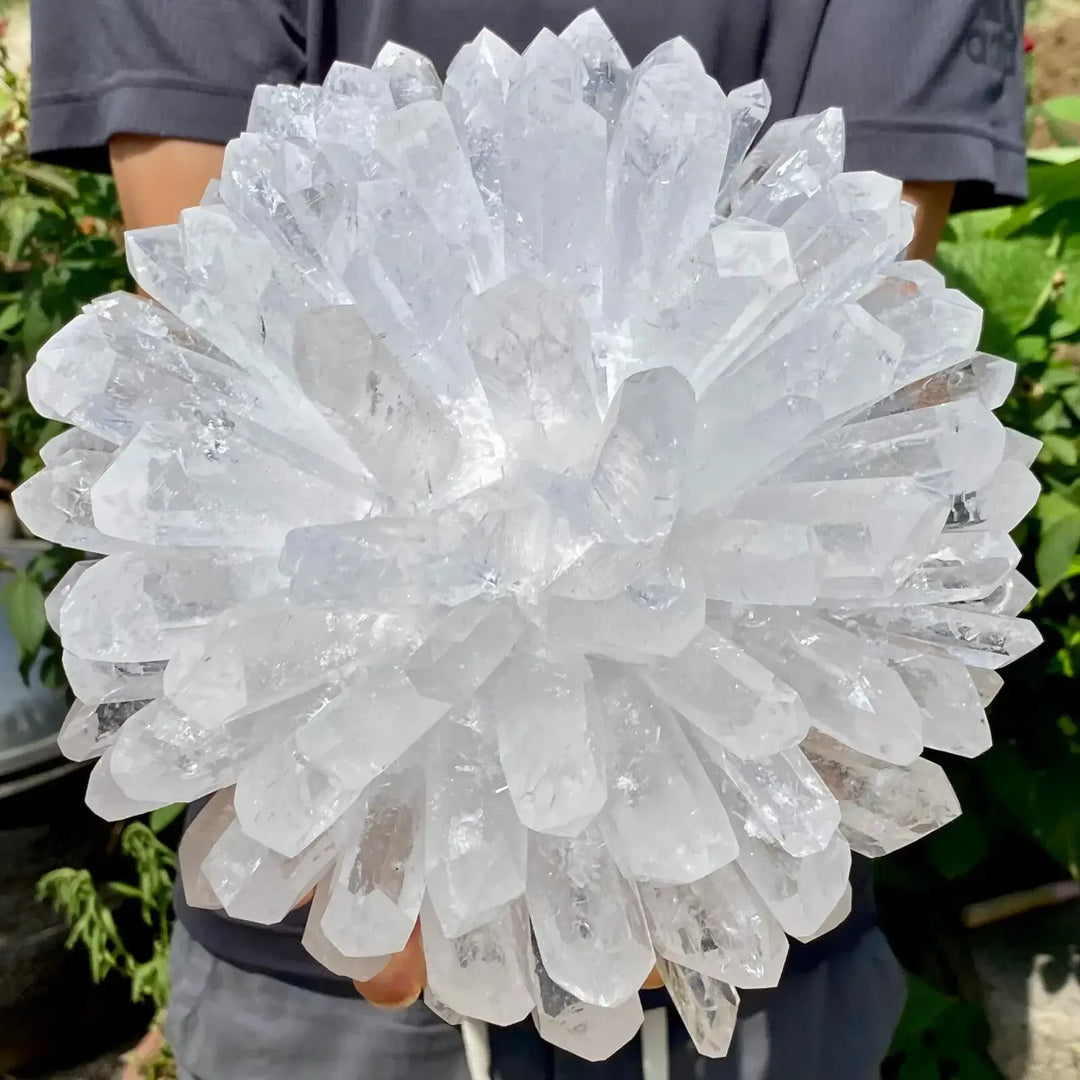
{"type": "Point", "coordinates": [533, 511]}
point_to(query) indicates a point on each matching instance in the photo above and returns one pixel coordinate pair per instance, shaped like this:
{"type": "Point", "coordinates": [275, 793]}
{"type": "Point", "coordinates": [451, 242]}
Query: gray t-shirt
{"type": "Point", "coordinates": [932, 90]}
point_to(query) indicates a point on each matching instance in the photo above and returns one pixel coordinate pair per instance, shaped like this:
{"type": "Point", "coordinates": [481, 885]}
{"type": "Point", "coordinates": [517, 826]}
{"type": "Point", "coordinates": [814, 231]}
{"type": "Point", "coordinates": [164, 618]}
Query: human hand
{"type": "Point", "coordinates": [402, 981]}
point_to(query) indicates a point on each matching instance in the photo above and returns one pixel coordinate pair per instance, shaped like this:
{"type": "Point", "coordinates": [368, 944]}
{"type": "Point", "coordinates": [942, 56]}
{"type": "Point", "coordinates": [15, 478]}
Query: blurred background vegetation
{"type": "Point", "coordinates": [1017, 845]}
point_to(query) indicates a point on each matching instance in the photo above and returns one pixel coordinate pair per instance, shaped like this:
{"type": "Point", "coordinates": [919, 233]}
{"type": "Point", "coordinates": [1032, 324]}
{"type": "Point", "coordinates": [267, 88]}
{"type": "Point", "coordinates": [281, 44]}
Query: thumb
{"type": "Point", "coordinates": [401, 982]}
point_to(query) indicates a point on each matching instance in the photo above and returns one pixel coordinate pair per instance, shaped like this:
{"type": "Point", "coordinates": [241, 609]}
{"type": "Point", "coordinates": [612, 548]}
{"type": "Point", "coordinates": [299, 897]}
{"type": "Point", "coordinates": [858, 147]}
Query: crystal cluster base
{"type": "Point", "coordinates": [530, 510]}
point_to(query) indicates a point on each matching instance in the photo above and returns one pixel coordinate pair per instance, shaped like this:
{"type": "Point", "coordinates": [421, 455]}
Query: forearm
{"type": "Point", "coordinates": [157, 178]}
{"type": "Point", "coordinates": [931, 200]}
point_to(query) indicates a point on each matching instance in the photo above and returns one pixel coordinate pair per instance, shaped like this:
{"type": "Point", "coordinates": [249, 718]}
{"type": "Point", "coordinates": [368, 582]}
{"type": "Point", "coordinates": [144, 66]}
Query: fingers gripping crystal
{"type": "Point", "coordinates": [539, 508]}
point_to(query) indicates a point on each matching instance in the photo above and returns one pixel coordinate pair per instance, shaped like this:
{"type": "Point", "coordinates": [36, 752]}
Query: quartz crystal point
{"type": "Point", "coordinates": [883, 807]}
{"type": "Point", "coordinates": [587, 918]}
{"type": "Point", "coordinates": [474, 843]}
{"type": "Point", "coordinates": [440, 1008]}
{"type": "Point", "coordinates": [376, 886]}
{"type": "Point", "coordinates": [761, 714]}
{"type": "Point", "coordinates": [482, 973]}
{"type": "Point", "coordinates": [664, 168]}
{"type": "Point", "coordinates": [258, 885]}
{"type": "Point", "coordinates": [549, 742]}
{"type": "Point", "coordinates": [543, 506]}
{"type": "Point", "coordinates": [656, 777]}
{"type": "Point", "coordinates": [707, 1006]}
{"type": "Point", "coordinates": [412, 75]}
{"type": "Point", "coordinates": [332, 958]}
{"type": "Point", "coordinates": [719, 926]}
{"type": "Point", "coordinates": [606, 70]}
{"type": "Point", "coordinates": [215, 818]}
{"type": "Point", "coordinates": [587, 1030]}
{"type": "Point", "coordinates": [105, 797]}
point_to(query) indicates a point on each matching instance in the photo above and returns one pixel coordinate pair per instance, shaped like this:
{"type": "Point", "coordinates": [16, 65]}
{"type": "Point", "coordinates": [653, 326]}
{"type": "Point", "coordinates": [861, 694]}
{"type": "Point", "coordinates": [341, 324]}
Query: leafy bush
{"type": "Point", "coordinates": [89, 915]}
{"type": "Point", "coordinates": [1022, 264]}
{"type": "Point", "coordinates": [89, 912]}
{"type": "Point", "coordinates": [60, 246]}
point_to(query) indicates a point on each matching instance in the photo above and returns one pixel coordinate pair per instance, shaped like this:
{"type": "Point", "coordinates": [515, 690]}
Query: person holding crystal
{"type": "Point", "coordinates": [933, 94]}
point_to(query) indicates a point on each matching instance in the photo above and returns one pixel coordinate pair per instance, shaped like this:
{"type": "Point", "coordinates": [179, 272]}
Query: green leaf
{"type": "Point", "coordinates": [924, 1005]}
{"type": "Point", "coordinates": [1068, 302]}
{"type": "Point", "coordinates": [52, 671]}
{"type": "Point", "coordinates": [1055, 814]}
{"type": "Point", "coordinates": [26, 614]}
{"type": "Point", "coordinates": [48, 176]}
{"type": "Point", "coordinates": [1062, 117]}
{"type": "Point", "coordinates": [1011, 279]}
{"type": "Point", "coordinates": [976, 224]}
{"type": "Point", "coordinates": [961, 1029]}
{"type": "Point", "coordinates": [1059, 224]}
{"type": "Point", "coordinates": [920, 1063]}
{"type": "Point", "coordinates": [959, 847]}
{"type": "Point", "coordinates": [1031, 348]}
{"type": "Point", "coordinates": [1065, 108]}
{"type": "Point", "coordinates": [1059, 448]}
{"type": "Point", "coordinates": [1057, 549]}
{"type": "Point", "coordinates": [1051, 184]}
{"type": "Point", "coordinates": [20, 218]}
{"type": "Point", "coordinates": [1059, 500]}
{"type": "Point", "coordinates": [37, 327]}
{"type": "Point", "coordinates": [121, 888]}
{"type": "Point", "coordinates": [1055, 155]}
{"type": "Point", "coordinates": [164, 816]}
{"type": "Point", "coordinates": [1048, 185]}
{"type": "Point", "coordinates": [10, 317]}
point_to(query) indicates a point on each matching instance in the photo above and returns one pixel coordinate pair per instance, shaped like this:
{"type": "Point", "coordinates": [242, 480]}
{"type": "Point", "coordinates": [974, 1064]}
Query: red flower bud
{"type": "Point", "coordinates": [1029, 43]}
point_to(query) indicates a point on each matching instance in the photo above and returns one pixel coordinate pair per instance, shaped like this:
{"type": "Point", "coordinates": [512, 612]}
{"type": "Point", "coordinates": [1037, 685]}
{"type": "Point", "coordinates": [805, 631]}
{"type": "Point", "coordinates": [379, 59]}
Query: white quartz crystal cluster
{"type": "Point", "coordinates": [535, 508]}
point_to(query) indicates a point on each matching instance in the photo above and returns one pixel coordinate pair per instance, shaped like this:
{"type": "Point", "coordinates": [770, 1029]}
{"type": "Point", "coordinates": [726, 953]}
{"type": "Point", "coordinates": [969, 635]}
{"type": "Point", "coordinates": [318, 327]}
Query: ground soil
{"type": "Point", "coordinates": [1057, 57]}
{"type": "Point", "coordinates": [106, 1068]}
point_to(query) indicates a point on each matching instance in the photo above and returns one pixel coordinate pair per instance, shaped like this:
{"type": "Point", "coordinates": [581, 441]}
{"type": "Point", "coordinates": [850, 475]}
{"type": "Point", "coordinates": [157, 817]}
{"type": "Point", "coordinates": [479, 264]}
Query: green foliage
{"type": "Point", "coordinates": [26, 613]}
{"type": "Point", "coordinates": [60, 246]}
{"type": "Point", "coordinates": [24, 599]}
{"type": "Point", "coordinates": [1062, 118]}
{"type": "Point", "coordinates": [940, 1038]}
{"type": "Point", "coordinates": [1022, 264]}
{"type": "Point", "coordinates": [89, 913]}
{"type": "Point", "coordinates": [161, 818]}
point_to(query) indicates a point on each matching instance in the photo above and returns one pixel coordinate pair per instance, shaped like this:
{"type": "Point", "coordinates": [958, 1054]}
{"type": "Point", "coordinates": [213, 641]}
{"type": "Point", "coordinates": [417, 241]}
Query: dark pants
{"type": "Point", "coordinates": [833, 1022]}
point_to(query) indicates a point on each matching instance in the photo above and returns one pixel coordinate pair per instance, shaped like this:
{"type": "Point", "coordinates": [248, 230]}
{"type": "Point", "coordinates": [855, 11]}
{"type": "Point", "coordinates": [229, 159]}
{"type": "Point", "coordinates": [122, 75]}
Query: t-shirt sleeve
{"type": "Point", "coordinates": [931, 89]}
{"type": "Point", "coordinates": [172, 68]}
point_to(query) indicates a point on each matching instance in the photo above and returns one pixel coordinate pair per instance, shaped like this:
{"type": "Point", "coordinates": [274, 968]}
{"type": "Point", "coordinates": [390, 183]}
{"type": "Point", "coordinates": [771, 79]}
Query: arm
{"type": "Point", "coordinates": [153, 89]}
{"type": "Point", "coordinates": [173, 74]}
{"type": "Point", "coordinates": [157, 178]}
{"type": "Point", "coordinates": [932, 200]}
{"type": "Point", "coordinates": [135, 85]}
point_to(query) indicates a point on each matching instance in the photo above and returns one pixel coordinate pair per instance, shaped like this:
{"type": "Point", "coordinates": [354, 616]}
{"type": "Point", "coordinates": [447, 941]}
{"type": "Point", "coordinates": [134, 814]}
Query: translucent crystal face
{"type": "Point", "coordinates": [535, 502]}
